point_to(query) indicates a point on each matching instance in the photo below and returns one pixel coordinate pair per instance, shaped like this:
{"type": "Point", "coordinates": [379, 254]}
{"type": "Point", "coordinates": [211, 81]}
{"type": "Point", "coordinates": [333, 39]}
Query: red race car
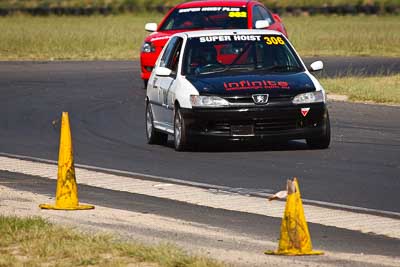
{"type": "Point", "coordinates": [201, 15]}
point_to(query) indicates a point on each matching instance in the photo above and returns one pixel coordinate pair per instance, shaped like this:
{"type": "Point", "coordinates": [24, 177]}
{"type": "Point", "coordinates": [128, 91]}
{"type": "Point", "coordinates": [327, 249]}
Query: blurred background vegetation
{"type": "Point", "coordinates": [121, 37]}
{"type": "Point", "coordinates": [87, 7]}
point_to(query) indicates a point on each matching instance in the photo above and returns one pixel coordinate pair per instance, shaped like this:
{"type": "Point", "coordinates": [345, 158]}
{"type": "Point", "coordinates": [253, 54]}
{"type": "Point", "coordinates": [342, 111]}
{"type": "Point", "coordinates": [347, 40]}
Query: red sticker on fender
{"type": "Point", "coordinates": [304, 111]}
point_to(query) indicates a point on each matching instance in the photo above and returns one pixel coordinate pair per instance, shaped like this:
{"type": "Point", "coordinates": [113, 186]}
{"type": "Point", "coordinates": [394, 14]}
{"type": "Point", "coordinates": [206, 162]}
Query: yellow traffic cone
{"type": "Point", "coordinates": [295, 239]}
{"type": "Point", "coordinates": [67, 191]}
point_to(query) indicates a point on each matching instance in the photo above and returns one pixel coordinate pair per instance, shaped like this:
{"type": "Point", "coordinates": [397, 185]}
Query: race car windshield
{"type": "Point", "coordinates": [239, 53]}
{"type": "Point", "coordinates": [206, 18]}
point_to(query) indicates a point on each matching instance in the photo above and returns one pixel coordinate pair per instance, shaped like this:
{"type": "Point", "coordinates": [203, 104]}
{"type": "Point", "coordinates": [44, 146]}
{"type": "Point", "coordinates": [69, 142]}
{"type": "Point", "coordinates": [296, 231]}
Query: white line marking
{"type": "Point", "coordinates": [219, 188]}
{"type": "Point", "coordinates": [163, 185]}
{"type": "Point", "coordinates": [364, 223]}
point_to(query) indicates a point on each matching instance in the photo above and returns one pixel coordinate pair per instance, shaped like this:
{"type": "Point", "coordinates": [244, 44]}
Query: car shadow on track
{"type": "Point", "coordinates": [243, 146]}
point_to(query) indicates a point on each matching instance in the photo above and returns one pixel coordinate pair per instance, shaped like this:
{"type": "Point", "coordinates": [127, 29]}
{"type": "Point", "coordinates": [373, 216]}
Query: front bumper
{"type": "Point", "coordinates": [147, 62]}
{"type": "Point", "coordinates": [257, 122]}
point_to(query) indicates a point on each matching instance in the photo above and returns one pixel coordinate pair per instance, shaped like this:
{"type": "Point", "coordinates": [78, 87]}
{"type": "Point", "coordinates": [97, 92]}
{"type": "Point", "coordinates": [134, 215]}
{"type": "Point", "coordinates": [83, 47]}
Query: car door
{"type": "Point", "coordinates": [163, 84]}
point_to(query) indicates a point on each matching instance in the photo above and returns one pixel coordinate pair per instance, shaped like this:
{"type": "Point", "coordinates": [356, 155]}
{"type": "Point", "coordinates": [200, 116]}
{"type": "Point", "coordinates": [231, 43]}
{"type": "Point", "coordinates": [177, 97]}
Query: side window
{"type": "Point", "coordinates": [174, 59]}
{"type": "Point", "coordinates": [266, 15]}
{"type": "Point", "coordinates": [168, 51]}
{"type": "Point", "coordinates": [256, 15]}
{"type": "Point", "coordinates": [260, 13]}
{"type": "Point", "coordinates": [170, 58]}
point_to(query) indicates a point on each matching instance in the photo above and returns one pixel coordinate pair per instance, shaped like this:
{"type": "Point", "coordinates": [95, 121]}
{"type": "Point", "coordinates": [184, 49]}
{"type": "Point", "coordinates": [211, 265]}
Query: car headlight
{"type": "Point", "coordinates": [311, 97]}
{"type": "Point", "coordinates": [148, 47]}
{"type": "Point", "coordinates": [208, 101]}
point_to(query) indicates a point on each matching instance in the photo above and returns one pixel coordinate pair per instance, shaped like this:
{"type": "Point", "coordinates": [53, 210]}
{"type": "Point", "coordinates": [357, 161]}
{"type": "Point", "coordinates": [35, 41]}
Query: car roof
{"type": "Point", "coordinates": [191, 34]}
{"type": "Point", "coordinates": [234, 3]}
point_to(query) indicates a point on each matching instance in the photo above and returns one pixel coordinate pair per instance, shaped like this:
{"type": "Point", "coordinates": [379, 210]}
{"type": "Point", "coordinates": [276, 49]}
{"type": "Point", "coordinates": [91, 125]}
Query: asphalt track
{"type": "Point", "coordinates": [105, 102]}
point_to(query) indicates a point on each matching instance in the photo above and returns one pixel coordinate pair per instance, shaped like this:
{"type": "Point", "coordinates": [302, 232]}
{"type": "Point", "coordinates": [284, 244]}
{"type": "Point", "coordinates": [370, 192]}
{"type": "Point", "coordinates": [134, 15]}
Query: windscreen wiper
{"type": "Point", "coordinates": [283, 68]}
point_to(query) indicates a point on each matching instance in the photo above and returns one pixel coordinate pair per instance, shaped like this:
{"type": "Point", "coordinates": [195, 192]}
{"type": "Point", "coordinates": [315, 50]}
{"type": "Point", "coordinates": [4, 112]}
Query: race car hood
{"type": "Point", "coordinates": [160, 38]}
{"type": "Point", "coordinates": [273, 84]}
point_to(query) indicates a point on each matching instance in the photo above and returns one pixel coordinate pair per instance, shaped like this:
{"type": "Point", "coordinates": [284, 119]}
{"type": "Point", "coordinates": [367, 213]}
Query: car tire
{"type": "Point", "coordinates": [145, 82]}
{"type": "Point", "coordinates": [322, 141]}
{"type": "Point", "coordinates": [181, 140]}
{"type": "Point", "coordinates": [153, 136]}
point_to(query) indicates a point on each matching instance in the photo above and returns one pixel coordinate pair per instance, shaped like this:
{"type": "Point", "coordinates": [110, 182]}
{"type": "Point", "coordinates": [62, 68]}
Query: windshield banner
{"type": "Point", "coordinates": [209, 9]}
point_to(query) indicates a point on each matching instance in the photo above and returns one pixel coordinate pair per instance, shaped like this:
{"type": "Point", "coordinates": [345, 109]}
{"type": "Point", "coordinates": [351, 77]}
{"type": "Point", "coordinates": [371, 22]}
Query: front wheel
{"type": "Point", "coordinates": [322, 141]}
{"type": "Point", "coordinates": [153, 136]}
{"type": "Point", "coordinates": [180, 131]}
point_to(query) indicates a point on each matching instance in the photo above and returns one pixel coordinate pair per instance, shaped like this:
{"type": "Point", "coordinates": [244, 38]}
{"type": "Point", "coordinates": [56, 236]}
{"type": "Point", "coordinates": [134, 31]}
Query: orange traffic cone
{"type": "Point", "coordinates": [295, 238]}
{"type": "Point", "coordinates": [67, 190]}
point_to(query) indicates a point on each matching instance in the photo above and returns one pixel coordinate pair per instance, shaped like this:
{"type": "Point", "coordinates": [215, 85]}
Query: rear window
{"type": "Point", "coordinates": [206, 18]}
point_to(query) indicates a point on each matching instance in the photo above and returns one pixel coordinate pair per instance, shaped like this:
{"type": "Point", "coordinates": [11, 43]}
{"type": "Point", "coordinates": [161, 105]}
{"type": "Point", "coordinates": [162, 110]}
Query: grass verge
{"type": "Point", "coordinates": [71, 38]}
{"type": "Point", "coordinates": [36, 242]}
{"type": "Point", "coordinates": [345, 35]}
{"type": "Point", "coordinates": [120, 37]}
{"type": "Point", "coordinates": [384, 89]}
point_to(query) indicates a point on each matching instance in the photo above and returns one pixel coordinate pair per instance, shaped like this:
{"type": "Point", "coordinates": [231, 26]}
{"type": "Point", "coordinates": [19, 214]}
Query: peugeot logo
{"type": "Point", "coordinates": [260, 99]}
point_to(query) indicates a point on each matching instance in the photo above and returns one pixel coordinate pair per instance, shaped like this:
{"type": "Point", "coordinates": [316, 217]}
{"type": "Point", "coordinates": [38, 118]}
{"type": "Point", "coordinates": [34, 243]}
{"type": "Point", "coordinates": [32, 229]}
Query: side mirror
{"type": "Point", "coordinates": [316, 66]}
{"type": "Point", "coordinates": [262, 24]}
{"type": "Point", "coordinates": [276, 17]}
{"type": "Point", "coordinates": [150, 27]}
{"type": "Point", "coordinates": [162, 71]}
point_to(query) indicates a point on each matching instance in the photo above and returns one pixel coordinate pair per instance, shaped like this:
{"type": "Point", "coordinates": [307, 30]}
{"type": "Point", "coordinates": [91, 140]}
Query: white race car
{"type": "Point", "coordinates": [234, 84]}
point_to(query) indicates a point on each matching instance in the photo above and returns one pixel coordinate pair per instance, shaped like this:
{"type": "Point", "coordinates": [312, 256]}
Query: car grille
{"type": "Point", "coordinates": [274, 123]}
{"type": "Point", "coordinates": [248, 100]}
